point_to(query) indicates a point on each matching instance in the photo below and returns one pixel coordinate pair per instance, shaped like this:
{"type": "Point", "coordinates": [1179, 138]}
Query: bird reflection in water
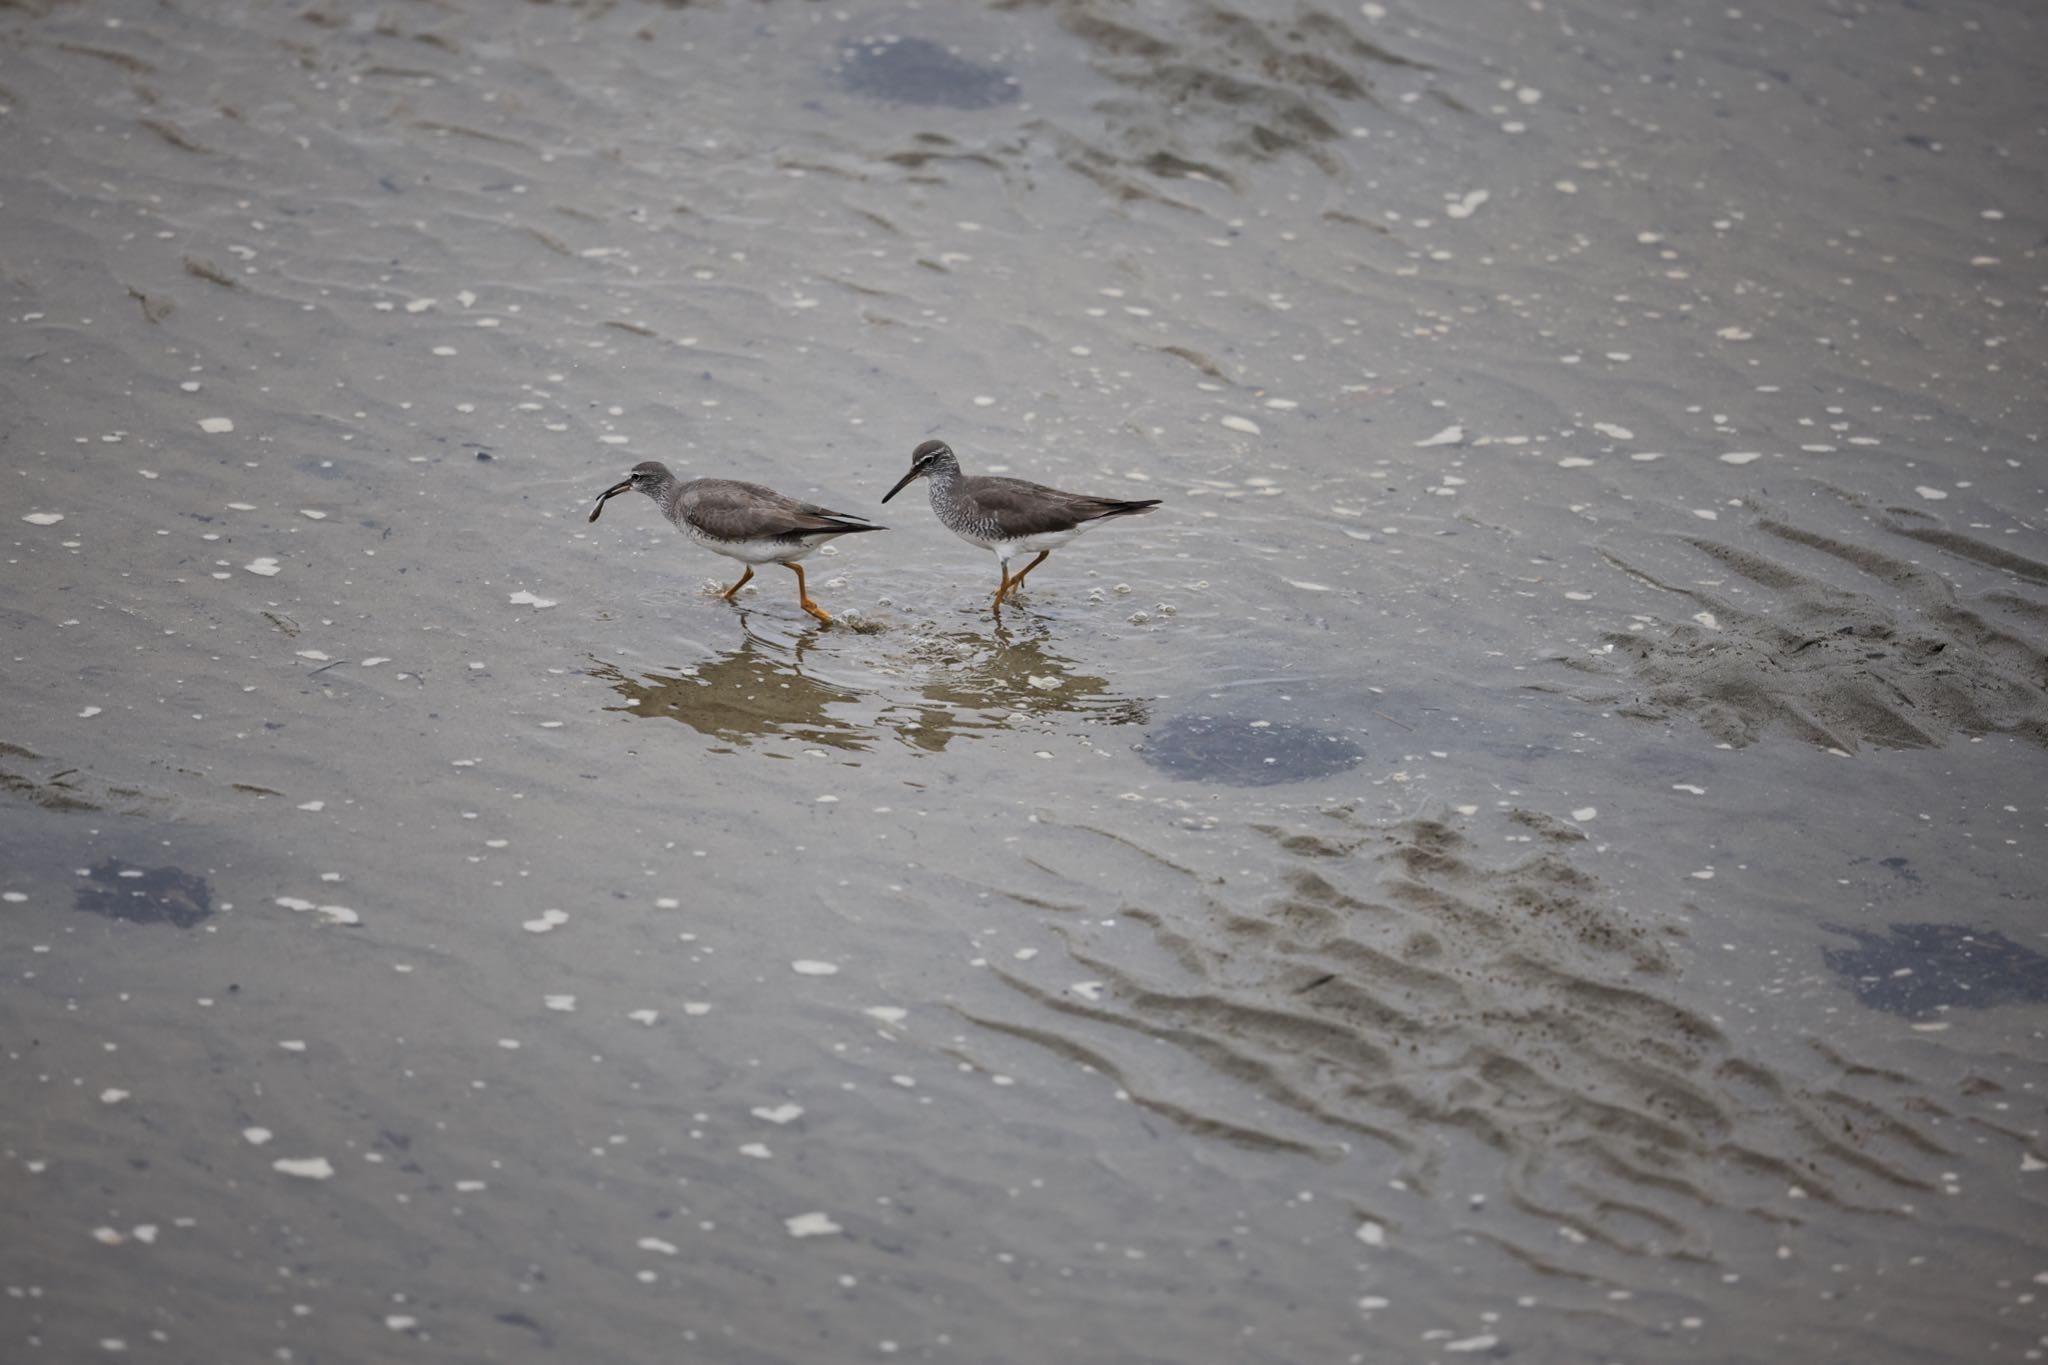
{"type": "Point", "coordinates": [975, 682]}
{"type": "Point", "coordinates": [755, 691]}
{"type": "Point", "coordinates": [925, 691]}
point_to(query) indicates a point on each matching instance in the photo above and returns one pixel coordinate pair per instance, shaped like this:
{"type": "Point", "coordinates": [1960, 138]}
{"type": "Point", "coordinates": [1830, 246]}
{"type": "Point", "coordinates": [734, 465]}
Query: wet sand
{"type": "Point", "coordinates": [1531, 850]}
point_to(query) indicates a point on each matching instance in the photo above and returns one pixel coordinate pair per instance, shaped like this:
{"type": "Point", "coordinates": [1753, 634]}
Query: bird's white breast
{"type": "Point", "coordinates": [754, 551]}
{"type": "Point", "coordinates": [1031, 545]}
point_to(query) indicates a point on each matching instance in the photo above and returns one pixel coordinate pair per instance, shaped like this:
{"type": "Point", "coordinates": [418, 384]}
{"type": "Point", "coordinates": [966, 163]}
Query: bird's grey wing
{"type": "Point", "coordinates": [1023, 508]}
{"type": "Point", "coordinates": [732, 509]}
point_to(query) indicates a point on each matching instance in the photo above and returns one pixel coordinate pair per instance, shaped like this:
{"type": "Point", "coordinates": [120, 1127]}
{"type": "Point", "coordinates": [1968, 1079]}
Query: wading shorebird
{"type": "Point", "coordinates": [742, 521]}
{"type": "Point", "coordinates": [1008, 516]}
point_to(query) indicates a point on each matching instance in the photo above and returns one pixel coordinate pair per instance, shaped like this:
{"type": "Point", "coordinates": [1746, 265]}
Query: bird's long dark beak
{"type": "Point", "coordinates": [902, 483]}
{"type": "Point", "coordinates": [611, 492]}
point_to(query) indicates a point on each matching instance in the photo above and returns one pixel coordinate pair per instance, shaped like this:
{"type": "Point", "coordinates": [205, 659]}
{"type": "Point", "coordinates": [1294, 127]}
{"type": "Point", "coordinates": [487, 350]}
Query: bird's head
{"type": "Point", "coordinates": [925, 461]}
{"type": "Point", "coordinates": [649, 476]}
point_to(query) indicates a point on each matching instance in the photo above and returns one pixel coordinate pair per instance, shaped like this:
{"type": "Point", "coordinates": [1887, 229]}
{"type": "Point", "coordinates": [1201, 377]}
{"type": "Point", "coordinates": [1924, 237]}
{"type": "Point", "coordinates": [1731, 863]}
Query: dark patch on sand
{"type": "Point", "coordinates": [156, 895]}
{"type": "Point", "coordinates": [1242, 751]}
{"type": "Point", "coordinates": [920, 72]}
{"type": "Point", "coordinates": [1918, 968]}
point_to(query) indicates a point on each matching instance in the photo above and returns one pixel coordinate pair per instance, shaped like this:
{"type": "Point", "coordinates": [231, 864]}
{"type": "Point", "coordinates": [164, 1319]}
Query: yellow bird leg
{"type": "Point", "coordinates": [727, 594]}
{"type": "Point", "coordinates": [803, 593]}
{"type": "Point", "coordinates": [1011, 580]}
{"type": "Point", "coordinates": [1019, 578]}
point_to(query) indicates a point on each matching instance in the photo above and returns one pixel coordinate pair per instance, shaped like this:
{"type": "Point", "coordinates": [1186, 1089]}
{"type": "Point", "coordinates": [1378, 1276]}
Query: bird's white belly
{"type": "Point", "coordinates": [1031, 545]}
{"type": "Point", "coordinates": [757, 551]}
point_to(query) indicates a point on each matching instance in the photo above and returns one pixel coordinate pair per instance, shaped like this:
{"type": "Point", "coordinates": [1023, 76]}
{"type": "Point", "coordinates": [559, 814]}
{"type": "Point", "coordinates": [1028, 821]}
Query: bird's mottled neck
{"type": "Point", "coordinates": [661, 488]}
{"type": "Point", "coordinates": [944, 475]}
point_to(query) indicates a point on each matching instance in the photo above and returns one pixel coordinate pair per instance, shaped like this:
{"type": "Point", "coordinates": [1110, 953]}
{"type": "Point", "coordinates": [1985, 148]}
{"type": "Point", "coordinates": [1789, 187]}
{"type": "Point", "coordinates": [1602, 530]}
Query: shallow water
{"type": "Point", "coordinates": [1533, 849]}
